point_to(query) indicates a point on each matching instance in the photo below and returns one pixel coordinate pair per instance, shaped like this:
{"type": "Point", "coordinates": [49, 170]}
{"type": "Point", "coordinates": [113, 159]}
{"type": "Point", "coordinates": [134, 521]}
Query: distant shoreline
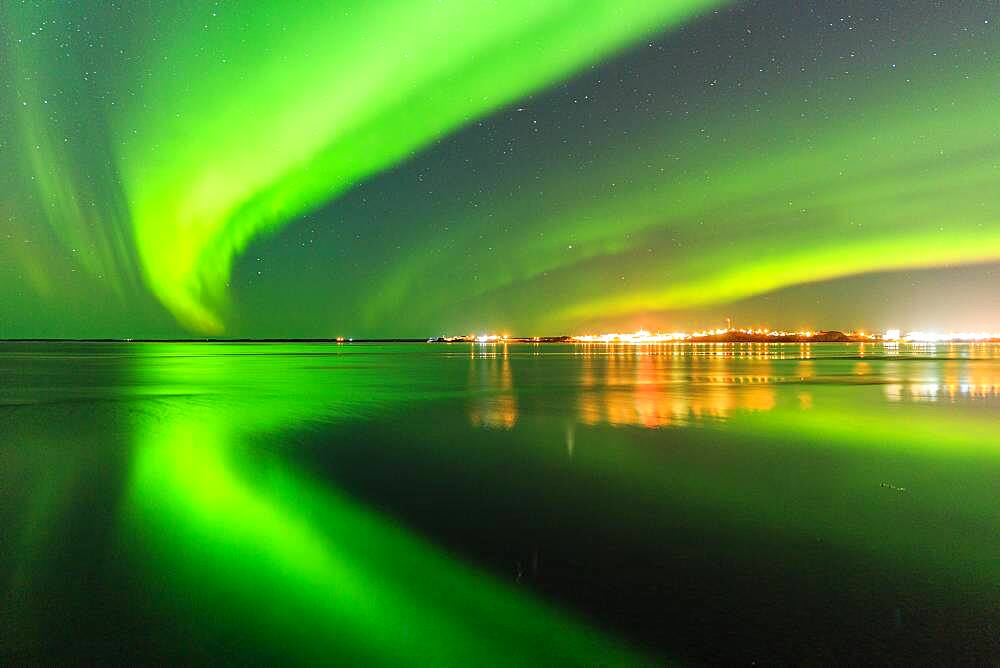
{"type": "Point", "coordinates": [819, 337]}
{"type": "Point", "coordinates": [270, 340]}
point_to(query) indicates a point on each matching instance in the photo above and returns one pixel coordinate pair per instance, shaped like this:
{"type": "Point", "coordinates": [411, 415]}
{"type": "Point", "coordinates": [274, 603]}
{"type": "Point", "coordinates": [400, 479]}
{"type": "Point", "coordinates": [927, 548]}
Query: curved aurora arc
{"type": "Point", "coordinates": [237, 119]}
{"type": "Point", "coordinates": [171, 139]}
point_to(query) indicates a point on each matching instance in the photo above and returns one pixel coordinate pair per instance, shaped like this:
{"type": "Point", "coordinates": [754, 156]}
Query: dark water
{"type": "Point", "coordinates": [471, 505]}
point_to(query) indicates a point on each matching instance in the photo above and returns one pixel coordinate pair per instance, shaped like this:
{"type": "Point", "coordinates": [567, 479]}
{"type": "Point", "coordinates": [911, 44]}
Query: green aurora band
{"type": "Point", "coordinates": [902, 177]}
{"type": "Point", "coordinates": [237, 121]}
{"type": "Point", "coordinates": [148, 157]}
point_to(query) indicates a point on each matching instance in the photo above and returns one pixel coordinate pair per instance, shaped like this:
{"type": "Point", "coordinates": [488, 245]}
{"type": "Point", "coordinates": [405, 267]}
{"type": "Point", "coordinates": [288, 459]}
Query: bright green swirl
{"type": "Point", "coordinates": [248, 117]}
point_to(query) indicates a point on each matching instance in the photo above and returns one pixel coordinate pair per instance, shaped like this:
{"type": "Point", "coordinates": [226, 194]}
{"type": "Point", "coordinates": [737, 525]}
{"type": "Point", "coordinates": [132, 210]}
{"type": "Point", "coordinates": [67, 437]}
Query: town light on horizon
{"type": "Point", "coordinates": [737, 335]}
{"type": "Point", "coordinates": [643, 336]}
{"type": "Point", "coordinates": [890, 335]}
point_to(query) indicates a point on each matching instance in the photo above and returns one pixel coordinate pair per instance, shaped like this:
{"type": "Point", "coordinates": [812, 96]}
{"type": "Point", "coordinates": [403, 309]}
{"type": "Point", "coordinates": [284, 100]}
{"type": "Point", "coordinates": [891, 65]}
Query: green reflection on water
{"type": "Point", "coordinates": [235, 535]}
{"type": "Point", "coordinates": [870, 465]}
{"type": "Point", "coordinates": [890, 456]}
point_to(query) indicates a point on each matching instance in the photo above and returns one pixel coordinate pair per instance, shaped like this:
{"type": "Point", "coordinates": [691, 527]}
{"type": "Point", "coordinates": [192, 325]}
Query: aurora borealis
{"type": "Point", "coordinates": [414, 168]}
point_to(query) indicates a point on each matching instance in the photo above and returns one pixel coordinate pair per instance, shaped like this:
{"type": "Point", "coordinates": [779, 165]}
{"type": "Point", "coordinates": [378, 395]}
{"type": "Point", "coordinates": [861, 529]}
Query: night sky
{"type": "Point", "coordinates": [416, 168]}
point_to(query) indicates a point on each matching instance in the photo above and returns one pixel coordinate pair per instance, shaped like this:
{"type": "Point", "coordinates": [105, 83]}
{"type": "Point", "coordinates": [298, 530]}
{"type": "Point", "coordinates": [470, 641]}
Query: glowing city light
{"type": "Point", "coordinates": [767, 334]}
{"type": "Point", "coordinates": [642, 336]}
{"type": "Point", "coordinates": [736, 335]}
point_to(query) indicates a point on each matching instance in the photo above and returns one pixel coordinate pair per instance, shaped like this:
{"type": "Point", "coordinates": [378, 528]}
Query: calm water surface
{"type": "Point", "coordinates": [488, 504]}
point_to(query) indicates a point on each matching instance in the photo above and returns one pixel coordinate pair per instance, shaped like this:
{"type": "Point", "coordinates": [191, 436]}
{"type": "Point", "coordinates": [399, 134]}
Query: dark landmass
{"type": "Point", "coordinates": [733, 336]}
{"type": "Point", "coordinates": [832, 336]}
{"type": "Point", "coordinates": [509, 339]}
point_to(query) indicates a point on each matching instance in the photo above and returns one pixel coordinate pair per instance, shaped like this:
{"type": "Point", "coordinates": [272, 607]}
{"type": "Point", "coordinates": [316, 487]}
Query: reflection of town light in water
{"type": "Point", "coordinates": [491, 373]}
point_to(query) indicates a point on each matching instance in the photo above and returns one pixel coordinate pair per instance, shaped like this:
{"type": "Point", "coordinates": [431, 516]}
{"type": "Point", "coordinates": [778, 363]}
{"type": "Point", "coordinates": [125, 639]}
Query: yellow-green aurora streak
{"type": "Point", "coordinates": [901, 176]}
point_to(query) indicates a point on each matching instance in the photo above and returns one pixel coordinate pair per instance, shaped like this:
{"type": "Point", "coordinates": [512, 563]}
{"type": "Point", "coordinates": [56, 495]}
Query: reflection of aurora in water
{"type": "Point", "coordinates": [242, 512]}
{"type": "Point", "coordinates": [251, 540]}
{"type": "Point", "coordinates": [829, 396]}
{"type": "Point", "coordinates": [675, 384]}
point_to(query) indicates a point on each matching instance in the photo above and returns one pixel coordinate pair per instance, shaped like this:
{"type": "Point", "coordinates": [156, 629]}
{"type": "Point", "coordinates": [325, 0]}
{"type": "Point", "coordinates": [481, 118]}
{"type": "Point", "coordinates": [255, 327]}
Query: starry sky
{"type": "Point", "coordinates": [535, 167]}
